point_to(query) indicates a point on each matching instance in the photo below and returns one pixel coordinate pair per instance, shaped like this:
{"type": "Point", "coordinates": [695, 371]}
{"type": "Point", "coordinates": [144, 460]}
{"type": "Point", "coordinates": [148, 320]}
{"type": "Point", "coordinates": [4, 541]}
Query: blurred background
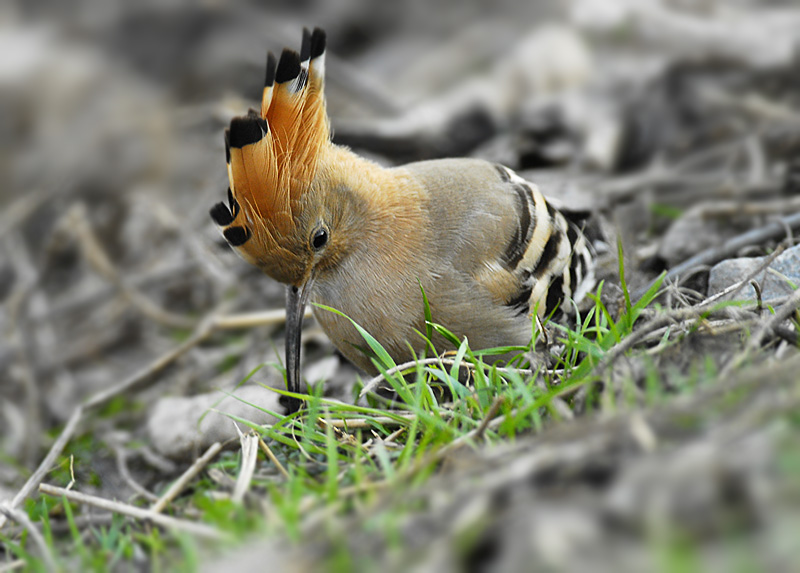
{"type": "Point", "coordinates": [111, 155]}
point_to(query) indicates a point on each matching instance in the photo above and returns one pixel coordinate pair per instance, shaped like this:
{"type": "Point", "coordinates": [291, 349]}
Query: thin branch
{"type": "Point", "coordinates": [48, 461]}
{"type": "Point", "coordinates": [490, 415]}
{"type": "Point", "coordinates": [81, 522]}
{"type": "Point", "coordinates": [203, 330]}
{"type": "Point", "coordinates": [25, 204]}
{"type": "Point", "coordinates": [712, 327]}
{"type": "Point", "coordinates": [734, 289]}
{"type": "Point", "coordinates": [787, 334]}
{"type": "Point", "coordinates": [199, 529]}
{"type": "Point", "coordinates": [124, 472]}
{"type": "Point", "coordinates": [12, 566]}
{"type": "Point", "coordinates": [98, 258]}
{"type": "Point", "coordinates": [373, 383]}
{"type": "Point", "coordinates": [101, 398]}
{"type": "Point", "coordinates": [394, 435]}
{"type": "Point", "coordinates": [178, 486]}
{"type": "Point", "coordinates": [266, 449]}
{"type": "Point", "coordinates": [782, 313]}
{"type": "Point", "coordinates": [357, 423]}
{"type": "Point", "coordinates": [471, 435]}
{"type": "Point", "coordinates": [693, 313]}
{"type": "Point", "coordinates": [22, 518]}
{"type": "Point", "coordinates": [253, 319]}
{"type": "Point", "coordinates": [157, 461]}
{"type": "Point", "coordinates": [90, 297]}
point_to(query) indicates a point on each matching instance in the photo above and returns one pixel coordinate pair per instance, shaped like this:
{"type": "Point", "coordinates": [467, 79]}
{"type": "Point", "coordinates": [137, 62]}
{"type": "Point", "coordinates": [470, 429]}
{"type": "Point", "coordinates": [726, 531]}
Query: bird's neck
{"type": "Point", "coordinates": [384, 190]}
{"type": "Point", "coordinates": [372, 275]}
{"type": "Point", "coordinates": [379, 208]}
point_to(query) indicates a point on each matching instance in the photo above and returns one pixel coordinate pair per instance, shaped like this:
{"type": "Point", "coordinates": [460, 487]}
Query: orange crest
{"type": "Point", "coordinates": [273, 158]}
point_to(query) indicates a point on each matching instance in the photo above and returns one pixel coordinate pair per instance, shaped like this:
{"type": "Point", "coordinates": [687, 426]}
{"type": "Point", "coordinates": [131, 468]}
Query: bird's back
{"type": "Point", "coordinates": [502, 251]}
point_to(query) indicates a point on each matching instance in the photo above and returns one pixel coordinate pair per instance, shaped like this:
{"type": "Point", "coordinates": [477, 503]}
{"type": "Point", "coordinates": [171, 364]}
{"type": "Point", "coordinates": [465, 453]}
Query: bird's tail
{"type": "Point", "coordinates": [578, 278]}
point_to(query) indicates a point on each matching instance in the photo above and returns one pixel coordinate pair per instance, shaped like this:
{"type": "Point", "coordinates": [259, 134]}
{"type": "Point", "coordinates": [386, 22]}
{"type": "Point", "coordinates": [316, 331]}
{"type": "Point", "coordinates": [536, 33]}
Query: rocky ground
{"type": "Point", "coordinates": [675, 125]}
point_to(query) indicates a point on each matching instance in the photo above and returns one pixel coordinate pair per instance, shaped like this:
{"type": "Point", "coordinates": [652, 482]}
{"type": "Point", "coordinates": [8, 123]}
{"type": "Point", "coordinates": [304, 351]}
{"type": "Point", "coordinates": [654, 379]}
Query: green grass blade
{"type": "Point", "coordinates": [649, 295]}
{"type": "Point", "coordinates": [428, 316]}
{"type": "Point", "coordinates": [375, 346]}
{"type": "Point", "coordinates": [622, 281]}
{"type": "Point", "coordinates": [332, 455]}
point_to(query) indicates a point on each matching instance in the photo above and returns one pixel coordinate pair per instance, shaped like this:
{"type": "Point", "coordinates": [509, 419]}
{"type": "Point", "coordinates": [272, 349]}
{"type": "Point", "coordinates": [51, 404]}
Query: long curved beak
{"type": "Point", "coordinates": [295, 308]}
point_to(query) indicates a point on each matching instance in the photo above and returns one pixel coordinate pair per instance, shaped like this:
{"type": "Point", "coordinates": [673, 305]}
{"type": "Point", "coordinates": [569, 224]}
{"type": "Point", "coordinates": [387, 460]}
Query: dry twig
{"type": "Point", "coordinates": [22, 518]}
{"type": "Point", "coordinates": [782, 313]}
{"type": "Point", "coordinates": [121, 456]}
{"type": "Point", "coordinates": [178, 486]}
{"type": "Point", "coordinates": [199, 529]}
{"type": "Point", "coordinates": [268, 452]}
{"type": "Point", "coordinates": [13, 566]}
{"type": "Point", "coordinates": [249, 444]}
{"type": "Point", "coordinates": [55, 450]}
{"type": "Point", "coordinates": [252, 319]}
{"type": "Point", "coordinates": [355, 423]}
{"type": "Point", "coordinates": [493, 409]}
{"type": "Point", "coordinates": [96, 255]}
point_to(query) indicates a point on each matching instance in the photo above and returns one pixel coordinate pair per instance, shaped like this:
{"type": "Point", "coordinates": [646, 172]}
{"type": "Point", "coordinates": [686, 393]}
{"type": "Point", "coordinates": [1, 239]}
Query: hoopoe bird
{"type": "Point", "coordinates": [484, 244]}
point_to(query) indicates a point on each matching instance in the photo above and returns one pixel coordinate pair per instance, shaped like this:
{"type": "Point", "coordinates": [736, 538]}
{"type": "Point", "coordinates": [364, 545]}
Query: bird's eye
{"type": "Point", "coordinates": [320, 238]}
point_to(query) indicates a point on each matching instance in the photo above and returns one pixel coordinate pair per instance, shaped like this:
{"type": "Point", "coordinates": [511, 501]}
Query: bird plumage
{"type": "Point", "coordinates": [484, 244]}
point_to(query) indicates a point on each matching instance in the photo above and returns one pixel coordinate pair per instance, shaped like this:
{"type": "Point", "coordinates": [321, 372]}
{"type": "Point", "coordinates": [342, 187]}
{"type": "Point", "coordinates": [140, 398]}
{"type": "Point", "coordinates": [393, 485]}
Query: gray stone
{"type": "Point", "coordinates": [176, 431]}
{"type": "Point", "coordinates": [776, 281]}
{"type": "Point", "coordinates": [696, 230]}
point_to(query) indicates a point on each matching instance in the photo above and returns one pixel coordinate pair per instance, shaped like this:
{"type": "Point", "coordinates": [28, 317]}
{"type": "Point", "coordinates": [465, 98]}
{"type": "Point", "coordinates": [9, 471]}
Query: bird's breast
{"type": "Point", "coordinates": [378, 288]}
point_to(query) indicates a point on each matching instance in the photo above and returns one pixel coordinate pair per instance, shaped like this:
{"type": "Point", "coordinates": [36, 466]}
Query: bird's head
{"type": "Point", "coordinates": [273, 216]}
{"type": "Point", "coordinates": [280, 211]}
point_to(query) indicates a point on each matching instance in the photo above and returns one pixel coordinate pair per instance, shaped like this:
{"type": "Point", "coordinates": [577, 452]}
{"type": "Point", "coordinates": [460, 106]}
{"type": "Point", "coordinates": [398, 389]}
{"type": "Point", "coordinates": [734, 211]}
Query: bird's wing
{"type": "Point", "coordinates": [500, 230]}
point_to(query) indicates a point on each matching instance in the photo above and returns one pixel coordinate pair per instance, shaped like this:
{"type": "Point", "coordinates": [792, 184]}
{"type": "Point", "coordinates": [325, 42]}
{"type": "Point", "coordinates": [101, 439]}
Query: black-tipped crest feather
{"type": "Point", "coordinates": [247, 130]}
{"type": "Point", "coordinates": [305, 47]}
{"type": "Point", "coordinates": [288, 66]}
{"type": "Point", "coordinates": [233, 204]}
{"type": "Point", "coordinates": [228, 147]}
{"type": "Point", "coordinates": [317, 44]}
{"type": "Point", "coordinates": [269, 75]}
{"type": "Point", "coordinates": [236, 236]}
{"type": "Point", "coordinates": [221, 214]}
